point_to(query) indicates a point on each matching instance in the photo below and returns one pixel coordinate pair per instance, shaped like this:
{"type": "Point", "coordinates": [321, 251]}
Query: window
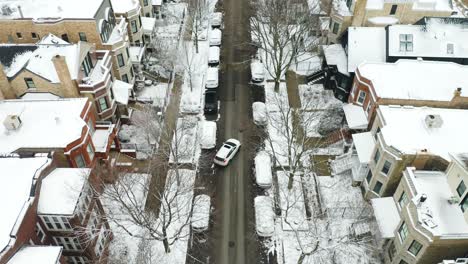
{"type": "Point", "coordinates": [377, 131]}
{"type": "Point", "coordinates": [403, 232]}
{"type": "Point", "coordinates": [369, 176]}
{"type": "Point", "coordinates": [91, 126]}
{"type": "Point", "coordinates": [415, 247]}
{"type": "Point", "coordinates": [131, 72]}
{"type": "Point", "coordinates": [57, 223]}
{"type": "Point", "coordinates": [65, 37]}
{"type": "Point", "coordinates": [377, 187]}
{"type": "Point", "coordinates": [461, 188]}
{"type": "Point", "coordinates": [145, 2]}
{"type": "Point", "coordinates": [369, 106]}
{"type": "Point", "coordinates": [93, 224]}
{"type": "Point", "coordinates": [87, 65]}
{"type": "Point", "coordinates": [40, 233]}
{"type": "Point", "coordinates": [406, 42]}
{"type": "Point", "coordinates": [103, 104]}
{"type": "Point", "coordinates": [391, 251]}
{"type": "Point", "coordinates": [335, 28]}
{"type": "Point", "coordinates": [393, 9]}
{"type": "Point", "coordinates": [34, 35]}
{"type": "Point", "coordinates": [133, 26]}
{"type": "Point", "coordinates": [30, 83]}
{"type": "Point", "coordinates": [79, 161]}
{"type": "Point", "coordinates": [82, 36]}
{"type": "Point", "coordinates": [450, 48]}
{"type": "Point", "coordinates": [147, 15]}
{"type": "Point", "coordinates": [101, 242]}
{"type": "Point", "coordinates": [90, 151]}
{"type": "Point", "coordinates": [19, 35]}
{"type": "Point", "coordinates": [361, 97]}
{"type": "Point", "coordinates": [386, 167]}
{"type": "Point", "coordinates": [128, 53]}
{"type": "Point", "coordinates": [377, 156]}
{"type": "Point", "coordinates": [120, 60]}
{"type": "Point", "coordinates": [464, 203]}
{"type": "Point", "coordinates": [83, 203]}
{"type": "Point", "coordinates": [68, 243]}
{"type": "Point", "coordinates": [77, 260]}
{"type": "Point", "coordinates": [403, 200]}
{"type": "Point", "coordinates": [125, 78]}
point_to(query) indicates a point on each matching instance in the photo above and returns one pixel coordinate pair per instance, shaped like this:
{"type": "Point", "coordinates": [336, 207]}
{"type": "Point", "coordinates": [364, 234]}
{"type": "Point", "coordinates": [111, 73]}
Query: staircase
{"type": "Point", "coordinates": [343, 163]}
{"type": "Point", "coordinates": [316, 77]}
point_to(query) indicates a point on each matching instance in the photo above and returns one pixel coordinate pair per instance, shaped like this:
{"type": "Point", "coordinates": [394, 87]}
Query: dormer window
{"type": "Point", "coordinates": [450, 48]}
{"type": "Point", "coordinates": [406, 42]}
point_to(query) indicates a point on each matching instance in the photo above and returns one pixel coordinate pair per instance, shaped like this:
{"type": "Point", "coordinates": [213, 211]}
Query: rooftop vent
{"type": "Point", "coordinates": [433, 121]}
{"type": "Point", "coordinates": [12, 122]}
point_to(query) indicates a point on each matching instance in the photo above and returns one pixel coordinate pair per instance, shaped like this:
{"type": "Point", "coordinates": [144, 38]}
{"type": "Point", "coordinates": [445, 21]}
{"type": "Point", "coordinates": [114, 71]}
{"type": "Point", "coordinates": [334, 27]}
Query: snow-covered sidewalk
{"type": "Point", "coordinates": [185, 142]}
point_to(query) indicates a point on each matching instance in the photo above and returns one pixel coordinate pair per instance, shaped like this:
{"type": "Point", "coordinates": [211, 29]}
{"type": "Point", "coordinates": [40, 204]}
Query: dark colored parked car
{"type": "Point", "coordinates": [211, 102]}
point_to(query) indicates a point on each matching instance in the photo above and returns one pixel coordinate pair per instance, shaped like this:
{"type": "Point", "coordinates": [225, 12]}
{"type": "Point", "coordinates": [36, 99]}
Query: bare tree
{"type": "Point", "coordinates": [188, 61]}
{"type": "Point", "coordinates": [198, 11]}
{"type": "Point", "coordinates": [282, 31]}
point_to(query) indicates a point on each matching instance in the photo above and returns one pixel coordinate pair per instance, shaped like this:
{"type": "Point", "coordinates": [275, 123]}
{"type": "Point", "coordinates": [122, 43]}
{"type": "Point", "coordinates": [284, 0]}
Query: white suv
{"type": "Point", "coordinates": [227, 152]}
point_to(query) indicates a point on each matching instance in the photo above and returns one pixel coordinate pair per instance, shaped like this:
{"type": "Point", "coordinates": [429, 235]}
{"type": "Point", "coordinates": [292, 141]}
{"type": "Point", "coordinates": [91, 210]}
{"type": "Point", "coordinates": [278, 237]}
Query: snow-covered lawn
{"type": "Point", "coordinates": [315, 97]}
{"type": "Point", "coordinates": [292, 203]}
{"type": "Point", "coordinates": [307, 63]}
{"type": "Point", "coordinates": [156, 93]}
{"type": "Point", "coordinates": [276, 100]}
{"type": "Point", "coordinates": [185, 142]}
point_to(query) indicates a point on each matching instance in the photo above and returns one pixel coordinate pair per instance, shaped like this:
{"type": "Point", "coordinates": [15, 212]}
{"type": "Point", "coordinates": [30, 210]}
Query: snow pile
{"type": "Point", "coordinates": [185, 148]}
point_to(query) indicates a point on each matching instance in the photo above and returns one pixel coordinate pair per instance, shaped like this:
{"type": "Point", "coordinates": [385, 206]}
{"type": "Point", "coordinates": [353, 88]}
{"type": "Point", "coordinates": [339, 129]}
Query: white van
{"type": "Point", "coordinates": [211, 78]}
{"type": "Point", "coordinates": [263, 169]}
{"type": "Point", "coordinates": [216, 19]}
{"type": "Point", "coordinates": [213, 56]}
{"type": "Point", "coordinates": [201, 213]}
{"type": "Point", "coordinates": [264, 216]}
{"type": "Point", "coordinates": [208, 140]}
{"type": "Point", "coordinates": [215, 37]}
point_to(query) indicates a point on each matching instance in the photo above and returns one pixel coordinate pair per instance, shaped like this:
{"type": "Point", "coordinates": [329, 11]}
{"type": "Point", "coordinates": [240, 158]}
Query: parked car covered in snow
{"type": "Point", "coordinates": [227, 152]}
{"type": "Point", "coordinates": [201, 213]}
{"type": "Point", "coordinates": [216, 19]}
{"type": "Point", "coordinates": [213, 56]}
{"type": "Point", "coordinates": [259, 111]}
{"type": "Point", "coordinates": [211, 78]}
{"type": "Point", "coordinates": [257, 71]}
{"type": "Point", "coordinates": [263, 169]}
{"type": "Point", "coordinates": [208, 140]}
{"type": "Point", "coordinates": [264, 216]}
{"type": "Point", "coordinates": [215, 37]}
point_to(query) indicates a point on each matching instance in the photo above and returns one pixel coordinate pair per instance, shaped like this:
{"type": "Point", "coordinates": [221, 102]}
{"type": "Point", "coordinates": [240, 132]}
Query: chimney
{"type": "Point", "coordinates": [20, 12]}
{"type": "Point", "coordinates": [457, 92]}
{"type": "Point", "coordinates": [68, 86]}
{"type": "Point", "coordinates": [433, 121]}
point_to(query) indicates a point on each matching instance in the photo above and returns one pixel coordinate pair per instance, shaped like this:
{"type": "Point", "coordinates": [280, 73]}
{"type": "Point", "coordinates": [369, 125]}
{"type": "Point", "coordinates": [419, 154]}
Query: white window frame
{"type": "Point", "coordinates": [68, 243]}
{"type": "Point", "coordinates": [78, 163]}
{"type": "Point", "coordinates": [59, 225]}
{"type": "Point", "coordinates": [39, 230]}
{"type": "Point", "coordinates": [90, 151]}
{"type": "Point", "coordinates": [358, 100]}
{"type": "Point", "coordinates": [78, 259]}
{"type": "Point", "coordinates": [450, 48]}
{"type": "Point", "coordinates": [406, 42]}
{"type": "Point", "coordinates": [134, 26]}
{"type": "Point", "coordinates": [93, 224]}
{"type": "Point", "coordinates": [101, 242]}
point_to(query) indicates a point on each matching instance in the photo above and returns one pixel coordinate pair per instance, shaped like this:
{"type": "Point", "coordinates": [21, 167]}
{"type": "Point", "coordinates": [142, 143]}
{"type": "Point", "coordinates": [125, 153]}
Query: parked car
{"type": "Point", "coordinates": [216, 19]}
{"type": "Point", "coordinates": [215, 37]}
{"type": "Point", "coordinates": [257, 71]}
{"type": "Point", "coordinates": [263, 169]}
{"type": "Point", "coordinates": [208, 138]}
{"type": "Point", "coordinates": [264, 216]}
{"type": "Point", "coordinates": [201, 213]}
{"type": "Point", "coordinates": [227, 152]}
{"type": "Point", "coordinates": [259, 113]}
{"type": "Point", "coordinates": [211, 102]}
{"type": "Point", "coordinates": [213, 56]}
{"type": "Point", "coordinates": [211, 78]}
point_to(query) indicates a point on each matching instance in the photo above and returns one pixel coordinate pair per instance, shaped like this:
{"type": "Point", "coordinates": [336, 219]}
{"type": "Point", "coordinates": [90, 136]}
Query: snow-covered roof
{"type": "Point", "coordinates": [136, 54]}
{"type": "Point", "coordinates": [387, 216]}
{"type": "Point", "coordinates": [436, 214]}
{"type": "Point", "coordinates": [37, 254]}
{"type": "Point", "coordinates": [365, 44]}
{"type": "Point", "coordinates": [148, 24]}
{"type": "Point", "coordinates": [263, 169]}
{"type": "Point", "coordinates": [51, 39]}
{"type": "Point", "coordinates": [101, 139]}
{"type": "Point", "coordinates": [156, 2]}
{"type": "Point", "coordinates": [201, 212]}
{"type": "Point", "coordinates": [462, 159]}
{"type": "Point", "coordinates": [17, 175]}
{"type": "Point", "coordinates": [411, 122]}
{"type": "Point", "coordinates": [44, 123]}
{"type": "Point", "coordinates": [355, 116]}
{"type": "Point", "coordinates": [61, 189]}
{"type": "Point", "coordinates": [418, 5]}
{"type": "Point", "coordinates": [40, 61]}
{"type": "Point", "coordinates": [264, 216]}
{"type": "Point", "coordinates": [335, 55]}
{"type": "Point", "coordinates": [39, 96]}
{"type": "Point", "coordinates": [50, 9]}
{"type": "Point", "coordinates": [124, 6]}
{"type": "Point", "coordinates": [436, 39]}
{"type": "Point", "coordinates": [416, 79]}
{"type": "Point", "coordinates": [121, 91]}
{"type": "Point", "coordinates": [364, 143]}
{"type": "Point", "coordinates": [383, 20]}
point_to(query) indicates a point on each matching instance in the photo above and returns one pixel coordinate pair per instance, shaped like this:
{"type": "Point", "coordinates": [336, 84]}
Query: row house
{"type": "Point", "coordinates": [62, 69]}
{"type": "Point", "coordinates": [407, 136]}
{"type": "Point", "coordinates": [426, 219]}
{"type": "Point", "coordinates": [66, 126]}
{"type": "Point", "coordinates": [130, 11]}
{"type": "Point", "coordinates": [347, 13]}
{"type": "Point", "coordinates": [27, 21]}
{"type": "Point", "coordinates": [49, 214]}
{"type": "Point", "coordinates": [409, 82]}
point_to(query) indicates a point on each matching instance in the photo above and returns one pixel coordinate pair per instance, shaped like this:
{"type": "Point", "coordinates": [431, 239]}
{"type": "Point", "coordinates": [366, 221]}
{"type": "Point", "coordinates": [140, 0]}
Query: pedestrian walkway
{"type": "Point", "coordinates": [292, 86]}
